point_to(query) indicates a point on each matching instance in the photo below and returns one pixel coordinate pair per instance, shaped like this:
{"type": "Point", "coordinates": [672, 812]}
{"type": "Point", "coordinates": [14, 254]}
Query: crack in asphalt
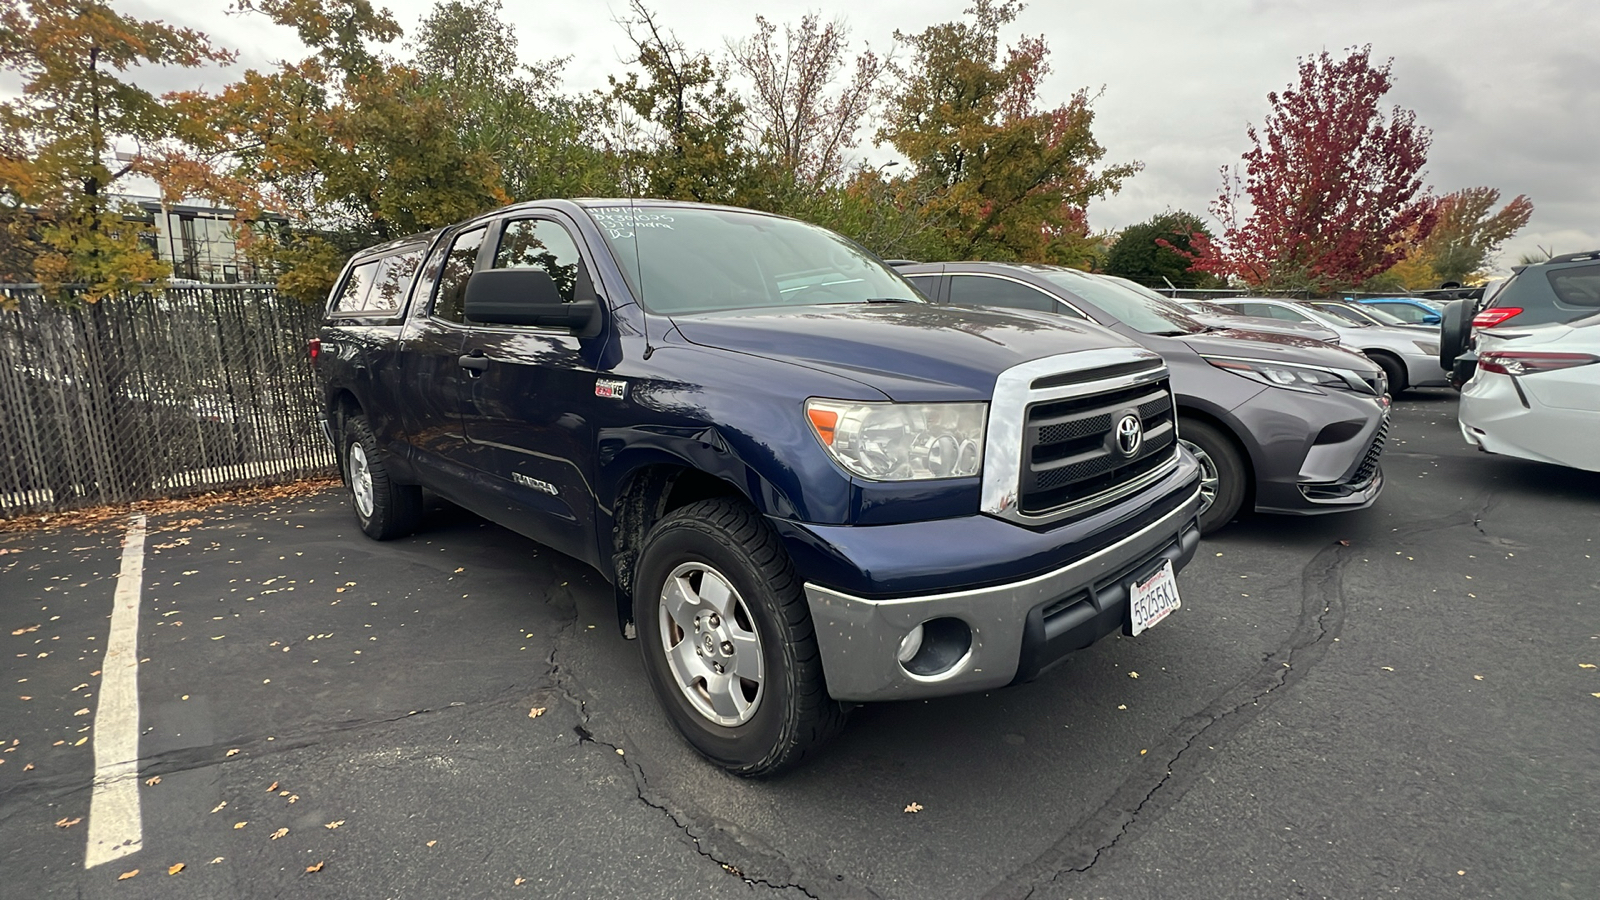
{"type": "Point", "coordinates": [566, 685]}
{"type": "Point", "coordinates": [1322, 616]}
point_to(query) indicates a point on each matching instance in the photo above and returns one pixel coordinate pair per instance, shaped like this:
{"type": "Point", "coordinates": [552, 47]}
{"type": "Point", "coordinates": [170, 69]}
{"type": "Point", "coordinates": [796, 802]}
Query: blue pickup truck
{"type": "Point", "coordinates": [810, 487]}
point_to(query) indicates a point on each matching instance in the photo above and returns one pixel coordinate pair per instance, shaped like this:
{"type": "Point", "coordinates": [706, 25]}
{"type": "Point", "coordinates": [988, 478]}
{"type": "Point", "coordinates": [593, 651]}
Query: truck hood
{"type": "Point", "coordinates": [1277, 347]}
{"type": "Point", "coordinates": [910, 351]}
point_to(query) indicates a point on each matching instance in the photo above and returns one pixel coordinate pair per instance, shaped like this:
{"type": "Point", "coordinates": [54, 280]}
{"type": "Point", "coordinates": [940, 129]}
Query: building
{"type": "Point", "coordinates": [200, 243]}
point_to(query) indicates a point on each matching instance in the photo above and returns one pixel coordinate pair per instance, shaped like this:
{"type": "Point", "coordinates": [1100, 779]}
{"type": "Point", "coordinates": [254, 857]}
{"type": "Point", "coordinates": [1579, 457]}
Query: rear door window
{"type": "Point", "coordinates": [392, 283]}
{"type": "Point", "coordinates": [1576, 286]}
{"type": "Point", "coordinates": [985, 290]}
{"type": "Point", "coordinates": [357, 285]}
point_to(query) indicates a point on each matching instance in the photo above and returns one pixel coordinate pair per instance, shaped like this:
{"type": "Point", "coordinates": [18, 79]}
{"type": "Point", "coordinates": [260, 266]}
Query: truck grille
{"type": "Point", "coordinates": [1071, 452]}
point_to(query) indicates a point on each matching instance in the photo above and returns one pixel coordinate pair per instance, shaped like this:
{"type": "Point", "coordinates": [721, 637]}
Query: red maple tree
{"type": "Point", "coordinates": [1332, 183]}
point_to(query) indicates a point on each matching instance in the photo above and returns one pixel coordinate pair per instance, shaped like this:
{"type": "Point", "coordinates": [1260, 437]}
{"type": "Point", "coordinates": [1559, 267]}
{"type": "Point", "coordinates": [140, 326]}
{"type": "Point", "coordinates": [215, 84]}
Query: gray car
{"type": "Point", "coordinates": [1280, 424]}
{"type": "Point", "coordinates": [1207, 313]}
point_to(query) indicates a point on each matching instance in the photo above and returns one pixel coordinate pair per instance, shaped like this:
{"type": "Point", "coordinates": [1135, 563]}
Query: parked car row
{"type": "Point", "coordinates": [816, 479]}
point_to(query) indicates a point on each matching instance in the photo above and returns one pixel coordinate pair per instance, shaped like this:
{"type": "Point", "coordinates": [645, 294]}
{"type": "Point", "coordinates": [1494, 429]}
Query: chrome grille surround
{"type": "Point", "coordinates": [1067, 375]}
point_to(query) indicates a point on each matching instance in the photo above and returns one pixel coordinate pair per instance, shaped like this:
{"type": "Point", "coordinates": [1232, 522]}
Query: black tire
{"type": "Point", "coordinates": [1393, 369]}
{"type": "Point", "coordinates": [389, 510]}
{"type": "Point", "coordinates": [1455, 329]}
{"type": "Point", "coordinates": [790, 713]}
{"type": "Point", "coordinates": [1218, 455]}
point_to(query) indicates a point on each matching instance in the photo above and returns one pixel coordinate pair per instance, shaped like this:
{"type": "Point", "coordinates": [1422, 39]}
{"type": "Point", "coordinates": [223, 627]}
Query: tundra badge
{"type": "Point", "coordinates": [610, 389]}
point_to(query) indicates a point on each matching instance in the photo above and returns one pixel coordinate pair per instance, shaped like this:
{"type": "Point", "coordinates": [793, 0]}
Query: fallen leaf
{"type": "Point", "coordinates": [233, 752]}
{"type": "Point", "coordinates": [283, 793]}
{"type": "Point", "coordinates": [1596, 694]}
{"type": "Point", "coordinates": [27, 767]}
{"type": "Point", "coordinates": [153, 780]}
{"type": "Point", "coordinates": [279, 833]}
{"type": "Point", "coordinates": [536, 712]}
{"type": "Point", "coordinates": [24, 697]}
{"type": "Point", "coordinates": [82, 712]}
{"type": "Point", "coordinates": [1387, 668]}
{"type": "Point", "coordinates": [219, 806]}
{"type": "Point", "coordinates": [1344, 543]}
{"type": "Point", "coordinates": [126, 875]}
{"type": "Point", "coordinates": [1585, 665]}
{"type": "Point", "coordinates": [239, 825]}
{"type": "Point", "coordinates": [317, 867]}
{"type": "Point", "coordinates": [334, 824]}
{"type": "Point", "coordinates": [516, 881]}
{"type": "Point", "coordinates": [293, 797]}
{"type": "Point", "coordinates": [217, 860]}
{"type": "Point", "coordinates": [272, 787]}
{"type": "Point", "coordinates": [26, 630]}
{"type": "Point", "coordinates": [461, 569]}
{"type": "Point", "coordinates": [1122, 706]}
{"type": "Point", "coordinates": [431, 843]}
{"type": "Point", "coordinates": [1477, 678]}
{"type": "Point", "coordinates": [1143, 752]}
{"type": "Point", "coordinates": [175, 868]}
{"type": "Point", "coordinates": [1133, 674]}
{"type": "Point", "coordinates": [914, 807]}
{"type": "Point", "coordinates": [68, 823]}
{"type": "Point", "coordinates": [80, 741]}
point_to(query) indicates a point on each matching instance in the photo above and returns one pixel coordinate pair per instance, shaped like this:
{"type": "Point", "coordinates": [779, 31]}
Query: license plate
{"type": "Point", "coordinates": [1153, 599]}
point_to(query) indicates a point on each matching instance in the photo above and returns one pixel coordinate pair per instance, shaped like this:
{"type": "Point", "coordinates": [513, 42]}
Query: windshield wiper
{"type": "Point", "coordinates": [890, 300]}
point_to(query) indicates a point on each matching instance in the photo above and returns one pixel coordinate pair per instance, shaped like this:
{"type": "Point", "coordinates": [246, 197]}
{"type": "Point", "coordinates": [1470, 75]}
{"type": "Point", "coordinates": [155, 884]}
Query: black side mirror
{"type": "Point", "coordinates": [527, 297]}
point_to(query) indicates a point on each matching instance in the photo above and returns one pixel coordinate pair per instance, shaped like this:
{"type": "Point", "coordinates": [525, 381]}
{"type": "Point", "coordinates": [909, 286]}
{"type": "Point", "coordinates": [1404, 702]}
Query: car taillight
{"type": "Point", "coordinates": [314, 348]}
{"type": "Point", "coordinates": [1494, 315]}
{"type": "Point", "coordinates": [1524, 362]}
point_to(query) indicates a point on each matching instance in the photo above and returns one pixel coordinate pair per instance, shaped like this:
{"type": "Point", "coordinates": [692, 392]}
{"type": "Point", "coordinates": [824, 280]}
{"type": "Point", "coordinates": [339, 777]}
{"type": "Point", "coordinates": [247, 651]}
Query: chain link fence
{"type": "Point", "coordinates": [153, 394]}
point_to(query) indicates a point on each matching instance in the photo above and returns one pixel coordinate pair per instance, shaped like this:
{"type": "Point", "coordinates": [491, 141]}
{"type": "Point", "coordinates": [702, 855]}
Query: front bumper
{"type": "Point", "coordinates": [1423, 370]}
{"type": "Point", "coordinates": [1018, 628]}
{"type": "Point", "coordinates": [1297, 475]}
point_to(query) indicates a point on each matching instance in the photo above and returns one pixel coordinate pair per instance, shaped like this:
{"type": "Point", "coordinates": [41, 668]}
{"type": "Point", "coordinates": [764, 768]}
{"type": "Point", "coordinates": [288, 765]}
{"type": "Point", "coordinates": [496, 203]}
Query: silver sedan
{"type": "Point", "coordinates": [1409, 359]}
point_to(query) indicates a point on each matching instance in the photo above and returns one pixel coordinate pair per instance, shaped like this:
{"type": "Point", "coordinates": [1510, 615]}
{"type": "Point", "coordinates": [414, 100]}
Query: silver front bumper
{"type": "Point", "coordinates": [859, 638]}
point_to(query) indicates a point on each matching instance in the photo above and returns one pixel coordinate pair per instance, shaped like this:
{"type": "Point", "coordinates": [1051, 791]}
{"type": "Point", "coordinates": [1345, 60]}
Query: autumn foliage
{"type": "Point", "coordinates": [1330, 186]}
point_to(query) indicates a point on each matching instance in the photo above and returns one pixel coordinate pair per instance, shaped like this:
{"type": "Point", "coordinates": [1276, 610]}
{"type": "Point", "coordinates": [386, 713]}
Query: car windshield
{"type": "Point", "coordinates": [1152, 314]}
{"type": "Point", "coordinates": [682, 260]}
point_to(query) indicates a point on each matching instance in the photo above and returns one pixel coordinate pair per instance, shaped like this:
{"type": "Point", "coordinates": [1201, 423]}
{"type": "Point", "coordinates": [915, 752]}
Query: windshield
{"type": "Point", "coordinates": [684, 260]}
{"type": "Point", "coordinates": [1152, 314]}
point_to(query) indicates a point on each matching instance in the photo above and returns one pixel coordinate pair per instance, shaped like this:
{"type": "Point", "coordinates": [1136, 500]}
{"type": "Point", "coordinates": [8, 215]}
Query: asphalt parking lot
{"type": "Point", "coordinates": [1398, 702]}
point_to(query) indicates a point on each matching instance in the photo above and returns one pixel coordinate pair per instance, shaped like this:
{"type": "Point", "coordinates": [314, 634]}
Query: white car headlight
{"type": "Point", "coordinates": [901, 441]}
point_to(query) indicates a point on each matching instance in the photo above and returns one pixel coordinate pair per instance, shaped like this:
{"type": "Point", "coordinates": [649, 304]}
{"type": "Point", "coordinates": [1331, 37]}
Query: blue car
{"type": "Point", "coordinates": [1409, 310]}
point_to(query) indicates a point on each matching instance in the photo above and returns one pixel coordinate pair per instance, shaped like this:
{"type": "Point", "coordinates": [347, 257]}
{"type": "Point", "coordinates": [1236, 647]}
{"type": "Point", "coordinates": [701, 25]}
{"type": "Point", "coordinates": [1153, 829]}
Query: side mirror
{"type": "Point", "coordinates": [526, 297]}
{"type": "Point", "coordinates": [1431, 319]}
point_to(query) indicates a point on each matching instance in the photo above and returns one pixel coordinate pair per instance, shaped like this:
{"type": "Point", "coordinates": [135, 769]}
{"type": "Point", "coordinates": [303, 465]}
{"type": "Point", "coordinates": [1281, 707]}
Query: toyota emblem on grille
{"type": "Point", "coordinates": [1130, 435]}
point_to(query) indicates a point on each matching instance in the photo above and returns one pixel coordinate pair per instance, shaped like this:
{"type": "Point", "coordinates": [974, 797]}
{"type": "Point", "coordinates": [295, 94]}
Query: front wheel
{"type": "Point", "coordinates": [1393, 369]}
{"type": "Point", "coordinates": [727, 640]}
{"type": "Point", "coordinates": [1222, 473]}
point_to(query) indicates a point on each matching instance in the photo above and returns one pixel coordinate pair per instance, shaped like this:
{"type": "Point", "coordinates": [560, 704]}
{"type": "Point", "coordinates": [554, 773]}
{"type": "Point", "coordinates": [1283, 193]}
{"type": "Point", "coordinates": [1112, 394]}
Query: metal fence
{"type": "Point", "coordinates": [153, 394]}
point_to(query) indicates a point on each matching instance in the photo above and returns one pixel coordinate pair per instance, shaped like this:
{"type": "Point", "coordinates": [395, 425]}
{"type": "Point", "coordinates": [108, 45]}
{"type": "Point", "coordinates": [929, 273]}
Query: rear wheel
{"type": "Point", "coordinates": [1393, 369]}
{"type": "Point", "coordinates": [1222, 473]}
{"type": "Point", "coordinates": [385, 509]}
{"type": "Point", "coordinates": [727, 640]}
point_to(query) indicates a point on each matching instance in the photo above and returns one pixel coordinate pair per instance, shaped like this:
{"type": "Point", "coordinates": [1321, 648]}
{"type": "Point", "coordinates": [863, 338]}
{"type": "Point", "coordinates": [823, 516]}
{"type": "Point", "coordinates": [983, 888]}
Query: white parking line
{"type": "Point", "coordinates": [115, 826]}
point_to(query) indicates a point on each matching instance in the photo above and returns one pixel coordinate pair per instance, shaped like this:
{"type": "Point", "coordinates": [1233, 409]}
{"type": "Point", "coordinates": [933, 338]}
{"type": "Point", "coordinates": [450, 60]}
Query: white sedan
{"type": "Point", "coordinates": [1536, 394]}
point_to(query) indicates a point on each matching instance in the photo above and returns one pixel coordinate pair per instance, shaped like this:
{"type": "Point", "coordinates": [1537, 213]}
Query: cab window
{"type": "Point", "coordinates": [392, 283]}
{"type": "Point", "coordinates": [541, 244]}
{"type": "Point", "coordinates": [458, 265]}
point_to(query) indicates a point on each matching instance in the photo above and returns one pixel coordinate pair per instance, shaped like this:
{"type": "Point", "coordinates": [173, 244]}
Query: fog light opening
{"type": "Point", "coordinates": [935, 648]}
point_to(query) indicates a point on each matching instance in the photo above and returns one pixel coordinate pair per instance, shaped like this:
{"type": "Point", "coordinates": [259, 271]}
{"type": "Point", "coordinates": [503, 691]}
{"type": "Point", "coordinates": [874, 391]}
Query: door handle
{"type": "Point", "coordinates": [474, 362]}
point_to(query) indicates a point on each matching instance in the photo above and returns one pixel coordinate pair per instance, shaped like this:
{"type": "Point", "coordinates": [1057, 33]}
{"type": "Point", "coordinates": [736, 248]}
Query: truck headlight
{"type": "Point", "coordinates": [901, 441]}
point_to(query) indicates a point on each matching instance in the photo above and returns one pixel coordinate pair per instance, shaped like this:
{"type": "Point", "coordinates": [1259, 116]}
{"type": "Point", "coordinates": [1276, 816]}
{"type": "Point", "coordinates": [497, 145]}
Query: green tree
{"type": "Point", "coordinates": [354, 147]}
{"type": "Point", "coordinates": [58, 179]}
{"type": "Point", "coordinates": [1468, 232]}
{"type": "Point", "coordinates": [1006, 178]}
{"type": "Point", "coordinates": [543, 141]}
{"type": "Point", "coordinates": [1159, 251]}
{"type": "Point", "coordinates": [687, 140]}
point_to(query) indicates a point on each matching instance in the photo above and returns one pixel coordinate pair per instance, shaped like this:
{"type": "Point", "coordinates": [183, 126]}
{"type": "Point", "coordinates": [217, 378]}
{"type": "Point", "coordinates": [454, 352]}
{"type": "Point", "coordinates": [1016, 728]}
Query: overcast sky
{"type": "Point", "coordinates": [1511, 88]}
